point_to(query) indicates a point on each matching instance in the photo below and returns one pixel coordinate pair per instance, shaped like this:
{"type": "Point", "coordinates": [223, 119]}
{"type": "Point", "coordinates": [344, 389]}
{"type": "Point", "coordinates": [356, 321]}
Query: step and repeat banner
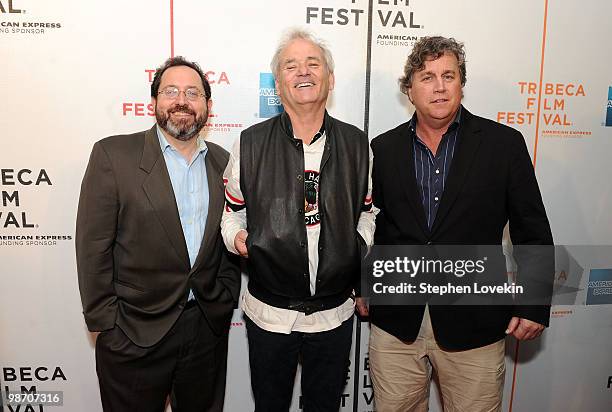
{"type": "Point", "coordinates": [75, 72]}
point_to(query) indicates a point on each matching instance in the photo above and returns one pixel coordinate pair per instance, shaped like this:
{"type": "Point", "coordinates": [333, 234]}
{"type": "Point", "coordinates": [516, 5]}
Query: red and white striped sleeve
{"type": "Point", "coordinates": [234, 213]}
{"type": "Point", "coordinates": [367, 219]}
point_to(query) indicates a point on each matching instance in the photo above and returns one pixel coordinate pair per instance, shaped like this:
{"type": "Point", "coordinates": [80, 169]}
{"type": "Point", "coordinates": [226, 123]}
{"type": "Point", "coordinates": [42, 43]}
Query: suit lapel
{"type": "Point", "coordinates": [404, 164]}
{"type": "Point", "coordinates": [467, 146]}
{"type": "Point", "coordinates": [158, 188]}
{"type": "Point", "coordinates": [216, 200]}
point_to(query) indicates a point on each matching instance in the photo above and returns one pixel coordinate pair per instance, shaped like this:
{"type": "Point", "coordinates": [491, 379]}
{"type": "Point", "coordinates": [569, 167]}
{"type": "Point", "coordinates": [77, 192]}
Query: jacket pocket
{"type": "Point", "coordinates": [124, 284]}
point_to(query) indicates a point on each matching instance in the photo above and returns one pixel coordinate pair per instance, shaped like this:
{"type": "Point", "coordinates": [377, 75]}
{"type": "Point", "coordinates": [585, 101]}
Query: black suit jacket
{"type": "Point", "coordinates": [491, 182]}
{"type": "Point", "coordinates": [132, 260]}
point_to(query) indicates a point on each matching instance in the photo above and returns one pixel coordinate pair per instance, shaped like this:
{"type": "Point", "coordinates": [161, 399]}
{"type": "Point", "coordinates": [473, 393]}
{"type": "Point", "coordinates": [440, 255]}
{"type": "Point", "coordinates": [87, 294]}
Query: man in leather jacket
{"type": "Point", "coordinates": [298, 207]}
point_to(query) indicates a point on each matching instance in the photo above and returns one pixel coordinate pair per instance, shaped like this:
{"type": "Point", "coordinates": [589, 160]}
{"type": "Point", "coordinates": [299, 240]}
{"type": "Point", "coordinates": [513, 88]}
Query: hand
{"type": "Point", "coordinates": [524, 329]}
{"type": "Point", "coordinates": [361, 305]}
{"type": "Point", "coordinates": [240, 243]}
{"type": "Point", "coordinates": [93, 337]}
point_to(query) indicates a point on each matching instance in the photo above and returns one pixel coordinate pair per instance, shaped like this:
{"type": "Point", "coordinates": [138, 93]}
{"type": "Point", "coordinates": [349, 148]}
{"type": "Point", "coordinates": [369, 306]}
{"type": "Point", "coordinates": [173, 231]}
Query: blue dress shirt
{"type": "Point", "coordinates": [190, 185]}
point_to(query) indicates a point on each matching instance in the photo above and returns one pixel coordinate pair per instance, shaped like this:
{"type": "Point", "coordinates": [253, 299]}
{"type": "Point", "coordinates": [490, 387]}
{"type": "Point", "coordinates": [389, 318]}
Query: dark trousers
{"type": "Point", "coordinates": [274, 357]}
{"type": "Point", "coordinates": [189, 364]}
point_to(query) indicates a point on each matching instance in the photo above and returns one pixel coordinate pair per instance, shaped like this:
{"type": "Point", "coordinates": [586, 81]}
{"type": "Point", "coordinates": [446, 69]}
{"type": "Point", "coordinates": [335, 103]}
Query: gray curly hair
{"type": "Point", "coordinates": [431, 48]}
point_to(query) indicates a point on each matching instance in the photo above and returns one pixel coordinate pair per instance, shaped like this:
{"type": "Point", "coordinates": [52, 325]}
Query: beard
{"type": "Point", "coordinates": [181, 129]}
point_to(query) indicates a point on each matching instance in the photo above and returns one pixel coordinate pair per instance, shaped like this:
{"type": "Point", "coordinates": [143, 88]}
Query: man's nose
{"type": "Point", "coordinates": [302, 69]}
{"type": "Point", "coordinates": [181, 98]}
{"type": "Point", "coordinates": [439, 85]}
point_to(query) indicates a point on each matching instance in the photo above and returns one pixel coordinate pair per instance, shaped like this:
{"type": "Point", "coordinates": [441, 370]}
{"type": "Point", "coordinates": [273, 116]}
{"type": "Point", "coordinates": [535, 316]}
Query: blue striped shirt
{"type": "Point", "coordinates": [432, 170]}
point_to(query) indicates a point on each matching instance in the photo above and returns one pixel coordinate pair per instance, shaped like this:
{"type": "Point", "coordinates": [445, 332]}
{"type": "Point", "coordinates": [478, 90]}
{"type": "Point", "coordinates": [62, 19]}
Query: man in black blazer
{"type": "Point", "coordinates": [155, 279]}
{"type": "Point", "coordinates": [448, 177]}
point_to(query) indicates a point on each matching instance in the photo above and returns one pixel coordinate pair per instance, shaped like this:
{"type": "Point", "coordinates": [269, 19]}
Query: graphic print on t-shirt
{"type": "Point", "coordinates": [311, 201]}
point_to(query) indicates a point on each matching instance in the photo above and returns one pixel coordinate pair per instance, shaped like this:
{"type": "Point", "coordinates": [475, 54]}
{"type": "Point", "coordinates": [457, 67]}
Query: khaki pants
{"type": "Point", "coordinates": [470, 380]}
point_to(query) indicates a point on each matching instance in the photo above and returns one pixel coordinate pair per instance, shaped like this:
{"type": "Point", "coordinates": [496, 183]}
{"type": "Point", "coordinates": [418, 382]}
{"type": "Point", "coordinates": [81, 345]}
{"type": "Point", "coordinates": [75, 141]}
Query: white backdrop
{"type": "Point", "coordinates": [75, 72]}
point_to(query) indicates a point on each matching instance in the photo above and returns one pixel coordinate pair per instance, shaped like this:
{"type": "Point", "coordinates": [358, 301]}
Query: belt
{"type": "Point", "coordinates": [306, 307]}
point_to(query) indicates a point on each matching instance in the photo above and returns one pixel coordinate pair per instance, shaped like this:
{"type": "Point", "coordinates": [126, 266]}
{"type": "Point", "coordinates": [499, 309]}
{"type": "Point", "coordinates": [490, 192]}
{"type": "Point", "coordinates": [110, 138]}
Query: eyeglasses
{"type": "Point", "coordinates": [191, 94]}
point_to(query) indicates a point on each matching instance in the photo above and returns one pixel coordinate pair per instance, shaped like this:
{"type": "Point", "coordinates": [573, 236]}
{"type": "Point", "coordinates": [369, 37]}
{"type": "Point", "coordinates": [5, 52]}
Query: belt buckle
{"type": "Point", "coordinates": [297, 305]}
{"type": "Point", "coordinates": [302, 306]}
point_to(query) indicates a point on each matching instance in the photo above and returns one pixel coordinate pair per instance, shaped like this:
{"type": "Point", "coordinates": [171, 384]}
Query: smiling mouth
{"type": "Point", "coordinates": [304, 84]}
{"type": "Point", "coordinates": [440, 101]}
{"type": "Point", "coordinates": [181, 113]}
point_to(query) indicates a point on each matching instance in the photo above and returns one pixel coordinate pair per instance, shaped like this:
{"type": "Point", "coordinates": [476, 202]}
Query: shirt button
{"type": "Point", "coordinates": [300, 211]}
{"type": "Point", "coordinates": [436, 198]}
{"type": "Point", "coordinates": [303, 244]}
{"type": "Point", "coordinates": [299, 177]}
{"type": "Point", "coordinates": [437, 171]}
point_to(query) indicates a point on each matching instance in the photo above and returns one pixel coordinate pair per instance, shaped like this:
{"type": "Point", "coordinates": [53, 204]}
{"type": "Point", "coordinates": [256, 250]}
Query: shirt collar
{"type": "Point", "coordinates": [165, 145]}
{"type": "Point", "coordinates": [317, 135]}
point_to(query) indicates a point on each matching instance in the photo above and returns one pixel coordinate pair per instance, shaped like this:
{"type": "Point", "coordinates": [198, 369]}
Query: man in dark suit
{"type": "Point", "coordinates": [155, 278]}
{"type": "Point", "coordinates": [448, 177]}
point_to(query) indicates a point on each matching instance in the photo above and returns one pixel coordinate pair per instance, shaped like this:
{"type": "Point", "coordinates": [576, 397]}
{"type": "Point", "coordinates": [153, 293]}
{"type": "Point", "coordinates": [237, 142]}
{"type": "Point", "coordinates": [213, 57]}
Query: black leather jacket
{"type": "Point", "coordinates": [272, 183]}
